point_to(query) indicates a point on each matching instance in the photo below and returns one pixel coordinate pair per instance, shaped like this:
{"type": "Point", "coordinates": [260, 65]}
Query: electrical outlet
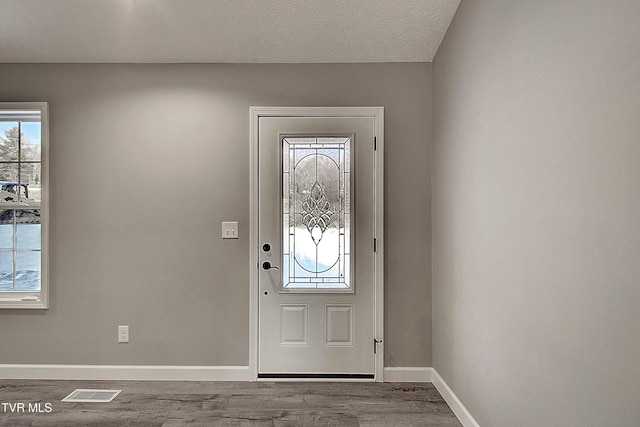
{"type": "Point", "coordinates": [123, 333]}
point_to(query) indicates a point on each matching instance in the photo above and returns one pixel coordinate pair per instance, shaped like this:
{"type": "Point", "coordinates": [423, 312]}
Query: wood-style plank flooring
{"type": "Point", "coordinates": [169, 403]}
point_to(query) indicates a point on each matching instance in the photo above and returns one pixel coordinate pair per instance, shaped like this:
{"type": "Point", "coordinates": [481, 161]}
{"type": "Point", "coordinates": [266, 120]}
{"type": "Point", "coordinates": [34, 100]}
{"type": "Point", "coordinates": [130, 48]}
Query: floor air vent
{"type": "Point", "coordinates": [98, 396]}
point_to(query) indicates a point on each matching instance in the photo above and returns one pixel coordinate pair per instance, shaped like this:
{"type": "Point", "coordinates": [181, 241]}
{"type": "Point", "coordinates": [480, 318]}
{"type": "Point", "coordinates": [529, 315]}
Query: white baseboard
{"type": "Point", "coordinates": [464, 416]}
{"type": "Point", "coordinates": [212, 373]}
{"type": "Point", "coordinates": [429, 375]}
{"type": "Point", "coordinates": [125, 372]}
{"type": "Point", "coordinates": [407, 374]}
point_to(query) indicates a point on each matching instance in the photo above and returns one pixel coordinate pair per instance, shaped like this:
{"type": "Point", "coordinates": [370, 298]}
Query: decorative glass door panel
{"type": "Point", "coordinates": [316, 213]}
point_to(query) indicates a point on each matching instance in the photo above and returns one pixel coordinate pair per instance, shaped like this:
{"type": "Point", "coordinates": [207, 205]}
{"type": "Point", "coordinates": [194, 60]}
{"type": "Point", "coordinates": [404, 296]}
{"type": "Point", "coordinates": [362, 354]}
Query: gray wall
{"type": "Point", "coordinates": [536, 212]}
{"type": "Point", "coordinates": [147, 160]}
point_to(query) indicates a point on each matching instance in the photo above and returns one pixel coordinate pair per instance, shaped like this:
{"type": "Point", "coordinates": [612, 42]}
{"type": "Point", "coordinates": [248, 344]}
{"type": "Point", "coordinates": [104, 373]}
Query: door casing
{"type": "Point", "coordinates": [377, 113]}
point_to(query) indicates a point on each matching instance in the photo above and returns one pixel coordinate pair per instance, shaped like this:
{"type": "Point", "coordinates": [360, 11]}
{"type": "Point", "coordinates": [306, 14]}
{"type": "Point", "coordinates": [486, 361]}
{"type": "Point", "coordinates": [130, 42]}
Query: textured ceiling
{"type": "Point", "coordinates": [232, 31]}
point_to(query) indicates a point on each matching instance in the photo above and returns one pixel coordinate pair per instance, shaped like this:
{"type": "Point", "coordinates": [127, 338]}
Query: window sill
{"type": "Point", "coordinates": [26, 302]}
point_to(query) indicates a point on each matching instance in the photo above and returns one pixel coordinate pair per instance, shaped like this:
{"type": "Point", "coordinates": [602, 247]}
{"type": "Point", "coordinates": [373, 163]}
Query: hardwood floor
{"type": "Point", "coordinates": [150, 403]}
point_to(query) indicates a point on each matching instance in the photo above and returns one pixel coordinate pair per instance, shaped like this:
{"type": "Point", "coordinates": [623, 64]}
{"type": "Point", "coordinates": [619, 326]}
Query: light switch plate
{"type": "Point", "coordinates": [230, 230]}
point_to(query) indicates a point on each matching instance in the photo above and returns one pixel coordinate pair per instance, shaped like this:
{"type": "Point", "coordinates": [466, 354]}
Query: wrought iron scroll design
{"type": "Point", "coordinates": [316, 213]}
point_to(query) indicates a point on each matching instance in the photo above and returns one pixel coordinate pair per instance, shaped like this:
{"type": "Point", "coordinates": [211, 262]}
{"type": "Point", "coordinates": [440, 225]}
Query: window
{"type": "Point", "coordinates": [23, 204]}
{"type": "Point", "coordinates": [316, 209]}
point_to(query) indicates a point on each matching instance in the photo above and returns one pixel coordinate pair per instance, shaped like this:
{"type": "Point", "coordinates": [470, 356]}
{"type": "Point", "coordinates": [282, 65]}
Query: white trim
{"type": "Point", "coordinates": [254, 113]}
{"type": "Point", "coordinates": [377, 113]}
{"type": "Point", "coordinates": [464, 416]}
{"type": "Point", "coordinates": [407, 375]}
{"type": "Point", "coordinates": [378, 311]}
{"type": "Point", "coordinates": [124, 372]}
{"type": "Point", "coordinates": [36, 300]}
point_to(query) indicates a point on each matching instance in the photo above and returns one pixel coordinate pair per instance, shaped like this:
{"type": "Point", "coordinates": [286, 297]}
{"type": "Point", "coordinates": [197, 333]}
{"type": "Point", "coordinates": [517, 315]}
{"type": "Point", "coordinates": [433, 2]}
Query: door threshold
{"type": "Point", "coordinates": [317, 376]}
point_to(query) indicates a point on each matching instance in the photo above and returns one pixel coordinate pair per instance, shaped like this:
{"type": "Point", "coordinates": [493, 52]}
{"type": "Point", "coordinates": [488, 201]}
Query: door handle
{"type": "Point", "coordinates": [267, 266]}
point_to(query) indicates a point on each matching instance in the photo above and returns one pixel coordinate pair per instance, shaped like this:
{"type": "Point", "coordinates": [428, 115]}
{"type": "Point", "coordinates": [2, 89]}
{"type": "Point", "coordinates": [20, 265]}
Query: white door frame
{"type": "Point", "coordinates": [377, 113]}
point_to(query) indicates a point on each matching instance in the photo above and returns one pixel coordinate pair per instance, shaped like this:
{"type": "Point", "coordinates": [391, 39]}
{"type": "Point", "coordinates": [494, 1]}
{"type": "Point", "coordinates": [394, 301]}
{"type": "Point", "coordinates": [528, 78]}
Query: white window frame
{"type": "Point", "coordinates": [296, 288]}
{"type": "Point", "coordinates": [35, 299]}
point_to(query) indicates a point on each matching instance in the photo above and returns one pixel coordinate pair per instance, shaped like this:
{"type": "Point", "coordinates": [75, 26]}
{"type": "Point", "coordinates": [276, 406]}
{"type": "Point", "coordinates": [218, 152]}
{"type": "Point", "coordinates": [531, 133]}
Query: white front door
{"type": "Point", "coordinates": [316, 255]}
